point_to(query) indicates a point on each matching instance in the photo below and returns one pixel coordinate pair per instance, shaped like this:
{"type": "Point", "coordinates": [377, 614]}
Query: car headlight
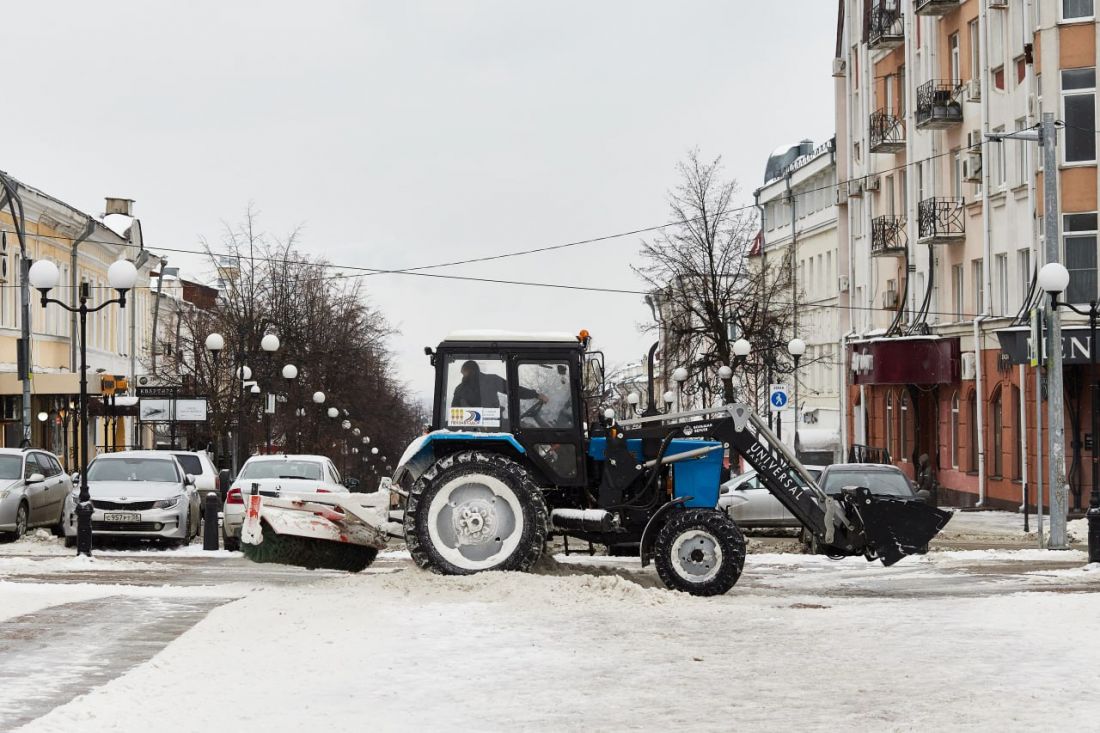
{"type": "Point", "coordinates": [166, 503]}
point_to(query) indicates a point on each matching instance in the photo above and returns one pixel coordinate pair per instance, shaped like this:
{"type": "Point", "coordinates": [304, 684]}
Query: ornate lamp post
{"type": "Point", "coordinates": [796, 347]}
{"type": "Point", "coordinates": [290, 373]}
{"type": "Point", "coordinates": [121, 276]}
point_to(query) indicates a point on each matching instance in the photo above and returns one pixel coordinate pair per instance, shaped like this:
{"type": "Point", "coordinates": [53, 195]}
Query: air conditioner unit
{"type": "Point", "coordinates": [1032, 105]}
{"type": "Point", "coordinates": [842, 284]}
{"type": "Point", "coordinates": [974, 139]}
{"type": "Point", "coordinates": [1001, 4]}
{"type": "Point", "coordinates": [840, 66]}
{"type": "Point", "coordinates": [972, 168]}
{"type": "Point", "coordinates": [890, 300]}
{"type": "Point", "coordinates": [840, 194]}
{"type": "Point", "coordinates": [974, 90]}
{"type": "Point", "coordinates": [871, 183]}
{"type": "Point", "coordinates": [969, 369]}
{"type": "Point", "coordinates": [855, 188]}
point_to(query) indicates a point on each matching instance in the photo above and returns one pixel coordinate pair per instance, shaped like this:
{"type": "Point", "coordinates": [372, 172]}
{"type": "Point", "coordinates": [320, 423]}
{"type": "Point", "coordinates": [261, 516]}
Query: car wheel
{"type": "Point", "coordinates": [21, 515]}
{"type": "Point", "coordinates": [233, 544]}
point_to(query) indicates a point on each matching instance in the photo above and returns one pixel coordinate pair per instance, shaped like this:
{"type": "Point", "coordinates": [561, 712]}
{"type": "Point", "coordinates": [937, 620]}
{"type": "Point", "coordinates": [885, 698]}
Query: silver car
{"type": "Point", "coordinates": [33, 487]}
{"type": "Point", "coordinates": [142, 494]}
{"type": "Point", "coordinates": [750, 504]}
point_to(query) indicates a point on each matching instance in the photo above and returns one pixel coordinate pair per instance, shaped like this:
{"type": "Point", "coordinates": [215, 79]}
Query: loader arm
{"type": "Point", "coordinates": [856, 522]}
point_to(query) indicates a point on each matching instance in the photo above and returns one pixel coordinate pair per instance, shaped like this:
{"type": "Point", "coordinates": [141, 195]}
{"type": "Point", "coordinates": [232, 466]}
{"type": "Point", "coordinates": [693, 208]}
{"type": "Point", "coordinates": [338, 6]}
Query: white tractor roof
{"type": "Point", "coordinates": [491, 335]}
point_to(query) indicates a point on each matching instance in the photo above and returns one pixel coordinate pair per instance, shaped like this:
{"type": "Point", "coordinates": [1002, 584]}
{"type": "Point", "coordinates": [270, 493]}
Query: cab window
{"type": "Point", "coordinates": [476, 393]}
{"type": "Point", "coordinates": [545, 397]}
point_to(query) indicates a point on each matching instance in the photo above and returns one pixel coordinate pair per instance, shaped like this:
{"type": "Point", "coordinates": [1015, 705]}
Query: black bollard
{"type": "Point", "coordinates": [1093, 518]}
{"type": "Point", "coordinates": [210, 523]}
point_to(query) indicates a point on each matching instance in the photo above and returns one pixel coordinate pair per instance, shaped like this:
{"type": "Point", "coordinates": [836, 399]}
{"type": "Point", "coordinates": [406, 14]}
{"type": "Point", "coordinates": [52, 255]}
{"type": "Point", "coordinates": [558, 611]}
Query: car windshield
{"type": "Point", "coordinates": [11, 467]}
{"type": "Point", "coordinates": [889, 483]}
{"type": "Point", "coordinates": [309, 470]}
{"type": "Point", "coordinates": [132, 469]}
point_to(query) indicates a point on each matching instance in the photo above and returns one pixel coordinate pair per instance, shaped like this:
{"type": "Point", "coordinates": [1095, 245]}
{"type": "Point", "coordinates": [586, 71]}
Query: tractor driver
{"type": "Point", "coordinates": [484, 390]}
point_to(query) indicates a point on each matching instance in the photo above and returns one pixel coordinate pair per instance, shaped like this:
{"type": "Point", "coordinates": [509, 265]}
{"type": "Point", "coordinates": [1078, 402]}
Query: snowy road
{"type": "Point", "coordinates": [970, 640]}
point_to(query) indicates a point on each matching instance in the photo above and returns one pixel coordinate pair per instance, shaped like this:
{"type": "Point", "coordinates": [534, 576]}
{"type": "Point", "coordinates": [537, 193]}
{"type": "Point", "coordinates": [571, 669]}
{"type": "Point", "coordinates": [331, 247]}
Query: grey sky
{"type": "Point", "coordinates": [406, 133]}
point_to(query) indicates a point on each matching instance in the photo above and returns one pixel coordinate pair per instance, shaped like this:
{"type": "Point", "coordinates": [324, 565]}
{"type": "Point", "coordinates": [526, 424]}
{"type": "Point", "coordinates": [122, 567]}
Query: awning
{"type": "Point", "coordinates": [817, 439]}
{"type": "Point", "coordinates": [53, 383]}
{"type": "Point", "coordinates": [905, 360]}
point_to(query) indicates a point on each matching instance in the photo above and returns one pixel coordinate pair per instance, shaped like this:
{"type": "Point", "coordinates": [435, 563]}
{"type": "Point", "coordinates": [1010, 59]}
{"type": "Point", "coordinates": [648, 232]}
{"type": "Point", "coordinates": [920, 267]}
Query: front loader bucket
{"type": "Point", "coordinates": [893, 526]}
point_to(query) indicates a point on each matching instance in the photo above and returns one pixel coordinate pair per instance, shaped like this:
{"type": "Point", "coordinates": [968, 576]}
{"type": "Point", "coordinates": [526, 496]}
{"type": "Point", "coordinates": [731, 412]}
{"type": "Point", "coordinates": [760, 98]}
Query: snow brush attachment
{"type": "Point", "coordinates": [893, 526]}
{"type": "Point", "coordinates": [333, 531]}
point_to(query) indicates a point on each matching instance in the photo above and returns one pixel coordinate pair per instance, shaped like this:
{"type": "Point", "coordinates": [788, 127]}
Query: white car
{"type": "Point", "coordinates": [281, 475]}
{"type": "Point", "coordinates": [144, 494]}
{"type": "Point", "coordinates": [200, 465]}
{"type": "Point", "coordinates": [33, 487]}
{"type": "Point", "coordinates": [750, 504]}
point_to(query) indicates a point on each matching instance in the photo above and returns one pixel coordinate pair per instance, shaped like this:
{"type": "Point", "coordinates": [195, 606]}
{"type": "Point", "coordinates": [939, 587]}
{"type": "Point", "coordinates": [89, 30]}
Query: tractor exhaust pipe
{"type": "Point", "coordinates": [584, 520]}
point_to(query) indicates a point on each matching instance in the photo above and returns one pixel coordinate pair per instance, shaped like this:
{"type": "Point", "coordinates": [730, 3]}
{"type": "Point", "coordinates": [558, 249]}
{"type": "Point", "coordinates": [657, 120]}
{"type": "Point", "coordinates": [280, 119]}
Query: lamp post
{"type": "Point", "coordinates": [215, 343]}
{"type": "Point", "coordinates": [290, 374]}
{"type": "Point", "coordinates": [121, 276]}
{"type": "Point", "coordinates": [1054, 279]}
{"type": "Point", "coordinates": [796, 347]}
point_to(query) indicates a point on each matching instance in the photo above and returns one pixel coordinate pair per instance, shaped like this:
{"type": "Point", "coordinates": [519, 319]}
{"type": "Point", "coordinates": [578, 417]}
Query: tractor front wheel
{"type": "Point", "coordinates": [699, 551]}
{"type": "Point", "coordinates": [474, 511]}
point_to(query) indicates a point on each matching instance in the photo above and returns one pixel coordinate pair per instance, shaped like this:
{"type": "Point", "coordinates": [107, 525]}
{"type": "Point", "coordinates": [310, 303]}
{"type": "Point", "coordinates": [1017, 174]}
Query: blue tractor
{"type": "Point", "coordinates": [517, 454]}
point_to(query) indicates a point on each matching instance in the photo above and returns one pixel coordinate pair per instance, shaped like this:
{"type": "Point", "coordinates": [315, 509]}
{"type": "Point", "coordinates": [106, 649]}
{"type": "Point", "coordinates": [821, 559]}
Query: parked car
{"type": "Point", "coordinates": [200, 465]}
{"type": "Point", "coordinates": [750, 504]}
{"type": "Point", "coordinates": [144, 494]}
{"type": "Point", "coordinates": [278, 475]}
{"type": "Point", "coordinates": [33, 487]}
{"type": "Point", "coordinates": [881, 479]}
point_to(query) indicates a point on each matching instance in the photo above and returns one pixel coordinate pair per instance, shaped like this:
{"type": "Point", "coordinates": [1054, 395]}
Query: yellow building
{"type": "Point", "coordinates": [83, 247]}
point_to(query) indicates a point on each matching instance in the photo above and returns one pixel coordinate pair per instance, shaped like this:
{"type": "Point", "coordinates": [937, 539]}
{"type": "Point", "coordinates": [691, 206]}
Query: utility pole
{"type": "Point", "coordinates": [1056, 428]}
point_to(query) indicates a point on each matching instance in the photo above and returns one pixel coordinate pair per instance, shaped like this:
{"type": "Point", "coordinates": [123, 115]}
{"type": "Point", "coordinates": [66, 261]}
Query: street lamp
{"type": "Point", "coordinates": [741, 351]}
{"type": "Point", "coordinates": [319, 398]}
{"type": "Point", "coordinates": [215, 342]}
{"type": "Point", "coordinates": [290, 373]}
{"type": "Point", "coordinates": [43, 416]}
{"type": "Point", "coordinates": [333, 413]}
{"type": "Point", "coordinates": [121, 276]}
{"type": "Point", "coordinates": [269, 343]}
{"type": "Point", "coordinates": [796, 347]}
{"type": "Point", "coordinates": [1054, 279]}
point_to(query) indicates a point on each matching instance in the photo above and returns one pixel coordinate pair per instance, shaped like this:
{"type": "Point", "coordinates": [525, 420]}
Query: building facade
{"type": "Point", "coordinates": [83, 247]}
{"type": "Point", "coordinates": [799, 231]}
{"type": "Point", "coordinates": [942, 232]}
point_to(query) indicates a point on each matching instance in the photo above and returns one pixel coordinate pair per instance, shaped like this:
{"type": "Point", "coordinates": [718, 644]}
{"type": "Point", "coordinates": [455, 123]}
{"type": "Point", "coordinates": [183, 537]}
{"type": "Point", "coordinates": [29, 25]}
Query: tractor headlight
{"type": "Point", "coordinates": [166, 503]}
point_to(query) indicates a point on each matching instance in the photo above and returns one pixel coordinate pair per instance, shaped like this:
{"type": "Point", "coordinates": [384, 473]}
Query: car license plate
{"type": "Point", "coordinates": [121, 517]}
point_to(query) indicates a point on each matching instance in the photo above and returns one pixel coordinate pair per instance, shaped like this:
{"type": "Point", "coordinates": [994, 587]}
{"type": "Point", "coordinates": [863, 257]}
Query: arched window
{"type": "Point", "coordinates": [955, 431]}
{"type": "Point", "coordinates": [997, 423]}
{"type": "Point", "coordinates": [890, 424]}
{"type": "Point", "coordinates": [972, 418]}
{"type": "Point", "coordinates": [903, 428]}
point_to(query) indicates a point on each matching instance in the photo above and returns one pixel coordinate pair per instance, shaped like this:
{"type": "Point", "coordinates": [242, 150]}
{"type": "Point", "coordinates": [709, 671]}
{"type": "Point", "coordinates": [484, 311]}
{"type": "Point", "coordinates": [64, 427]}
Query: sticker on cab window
{"type": "Point", "coordinates": [474, 417]}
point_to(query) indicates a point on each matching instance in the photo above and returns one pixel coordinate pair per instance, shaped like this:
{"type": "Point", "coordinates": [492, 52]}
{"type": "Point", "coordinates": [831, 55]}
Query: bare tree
{"type": "Point", "coordinates": [708, 289]}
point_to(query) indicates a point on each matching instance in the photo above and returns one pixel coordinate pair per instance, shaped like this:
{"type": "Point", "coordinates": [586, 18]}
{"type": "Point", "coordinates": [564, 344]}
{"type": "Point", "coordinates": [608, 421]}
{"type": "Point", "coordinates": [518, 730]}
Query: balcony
{"type": "Point", "coordinates": [887, 133]}
{"type": "Point", "coordinates": [888, 236]}
{"type": "Point", "coordinates": [938, 104]}
{"type": "Point", "coordinates": [884, 24]}
{"type": "Point", "coordinates": [941, 221]}
{"type": "Point", "coordinates": [935, 7]}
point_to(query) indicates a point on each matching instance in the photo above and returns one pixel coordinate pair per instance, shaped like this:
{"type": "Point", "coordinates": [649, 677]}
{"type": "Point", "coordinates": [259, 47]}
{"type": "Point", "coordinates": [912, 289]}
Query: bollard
{"type": "Point", "coordinates": [1093, 518]}
{"type": "Point", "coordinates": [210, 523]}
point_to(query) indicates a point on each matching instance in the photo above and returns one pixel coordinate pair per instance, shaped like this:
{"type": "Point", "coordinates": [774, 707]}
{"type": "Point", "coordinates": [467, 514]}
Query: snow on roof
{"type": "Point", "coordinates": [118, 223]}
{"type": "Point", "coordinates": [492, 335]}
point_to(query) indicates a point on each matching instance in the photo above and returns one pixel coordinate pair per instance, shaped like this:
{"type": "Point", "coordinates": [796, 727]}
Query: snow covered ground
{"type": "Point", "coordinates": [968, 640]}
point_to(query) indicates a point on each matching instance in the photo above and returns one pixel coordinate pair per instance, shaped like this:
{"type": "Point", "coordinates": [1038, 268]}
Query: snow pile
{"type": "Point", "coordinates": [14, 566]}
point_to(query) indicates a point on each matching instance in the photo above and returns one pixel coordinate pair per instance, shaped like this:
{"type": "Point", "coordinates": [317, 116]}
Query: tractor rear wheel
{"type": "Point", "coordinates": [474, 511]}
{"type": "Point", "coordinates": [699, 551]}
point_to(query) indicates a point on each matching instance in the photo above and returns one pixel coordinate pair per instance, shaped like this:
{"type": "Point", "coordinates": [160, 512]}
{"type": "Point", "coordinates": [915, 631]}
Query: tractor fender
{"type": "Point", "coordinates": [653, 526]}
{"type": "Point", "coordinates": [420, 454]}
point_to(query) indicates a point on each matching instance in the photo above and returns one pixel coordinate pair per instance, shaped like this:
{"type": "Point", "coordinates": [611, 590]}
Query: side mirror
{"type": "Point", "coordinates": [924, 496]}
{"type": "Point", "coordinates": [75, 477]}
{"type": "Point", "coordinates": [35, 478]}
{"type": "Point", "coordinates": [351, 483]}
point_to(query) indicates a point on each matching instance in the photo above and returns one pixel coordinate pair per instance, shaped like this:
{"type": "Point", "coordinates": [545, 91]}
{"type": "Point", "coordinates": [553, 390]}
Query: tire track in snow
{"type": "Point", "coordinates": [51, 656]}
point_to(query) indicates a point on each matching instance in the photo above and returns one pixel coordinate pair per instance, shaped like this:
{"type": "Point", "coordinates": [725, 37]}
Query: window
{"type": "Point", "coordinates": [973, 36]}
{"type": "Point", "coordinates": [1079, 114]}
{"type": "Point", "coordinates": [1080, 244]}
{"type": "Point", "coordinates": [1000, 270]}
{"type": "Point", "coordinates": [545, 399]}
{"type": "Point", "coordinates": [1019, 152]}
{"type": "Point", "coordinates": [979, 285]}
{"type": "Point", "coordinates": [476, 393]}
{"type": "Point", "coordinates": [1018, 27]}
{"type": "Point", "coordinates": [888, 96]}
{"type": "Point", "coordinates": [996, 152]}
{"type": "Point", "coordinates": [1023, 265]}
{"type": "Point", "coordinates": [972, 417]}
{"type": "Point", "coordinates": [953, 45]}
{"type": "Point", "coordinates": [957, 290]}
{"type": "Point", "coordinates": [1077, 9]}
{"type": "Point", "coordinates": [901, 91]}
{"type": "Point", "coordinates": [997, 43]}
{"type": "Point", "coordinates": [956, 177]}
{"type": "Point", "coordinates": [1017, 454]}
{"type": "Point", "coordinates": [955, 430]}
{"type": "Point", "coordinates": [893, 449]}
{"type": "Point", "coordinates": [889, 189]}
{"type": "Point", "coordinates": [998, 438]}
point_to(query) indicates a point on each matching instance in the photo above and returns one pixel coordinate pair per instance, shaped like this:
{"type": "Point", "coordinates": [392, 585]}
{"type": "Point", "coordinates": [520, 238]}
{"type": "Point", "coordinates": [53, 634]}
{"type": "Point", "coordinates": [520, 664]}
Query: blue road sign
{"type": "Point", "coordinates": [778, 399]}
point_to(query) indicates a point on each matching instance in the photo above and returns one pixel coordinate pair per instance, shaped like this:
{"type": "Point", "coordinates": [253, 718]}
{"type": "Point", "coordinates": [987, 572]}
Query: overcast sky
{"type": "Point", "coordinates": [406, 133]}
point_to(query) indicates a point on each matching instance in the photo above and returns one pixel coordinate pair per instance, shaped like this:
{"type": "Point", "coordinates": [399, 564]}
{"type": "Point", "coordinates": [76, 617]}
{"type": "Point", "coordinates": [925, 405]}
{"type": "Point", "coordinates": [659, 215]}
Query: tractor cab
{"type": "Point", "coordinates": [524, 386]}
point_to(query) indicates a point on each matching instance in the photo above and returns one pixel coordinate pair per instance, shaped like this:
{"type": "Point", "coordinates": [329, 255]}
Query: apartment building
{"type": "Point", "coordinates": [799, 231]}
{"type": "Point", "coordinates": [941, 228]}
{"type": "Point", "coordinates": [83, 248]}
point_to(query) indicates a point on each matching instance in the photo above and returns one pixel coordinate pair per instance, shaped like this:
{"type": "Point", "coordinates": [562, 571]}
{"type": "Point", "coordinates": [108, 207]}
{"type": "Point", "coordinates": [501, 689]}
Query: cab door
{"type": "Point", "coordinates": [545, 403]}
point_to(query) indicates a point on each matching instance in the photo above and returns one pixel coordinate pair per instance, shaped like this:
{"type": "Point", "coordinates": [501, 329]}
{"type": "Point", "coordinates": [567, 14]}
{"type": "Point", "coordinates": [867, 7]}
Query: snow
{"type": "Point", "coordinates": [495, 335]}
{"type": "Point", "coordinates": [953, 640]}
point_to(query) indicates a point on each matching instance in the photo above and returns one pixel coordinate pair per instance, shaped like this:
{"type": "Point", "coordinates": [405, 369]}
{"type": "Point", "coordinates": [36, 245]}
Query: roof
{"type": "Point", "coordinates": [137, 454]}
{"type": "Point", "coordinates": [287, 457]}
{"type": "Point", "coordinates": [512, 336]}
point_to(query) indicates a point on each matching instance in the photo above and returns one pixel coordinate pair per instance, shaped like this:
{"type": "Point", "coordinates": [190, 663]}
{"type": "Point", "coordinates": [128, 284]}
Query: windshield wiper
{"type": "Point", "coordinates": [303, 478]}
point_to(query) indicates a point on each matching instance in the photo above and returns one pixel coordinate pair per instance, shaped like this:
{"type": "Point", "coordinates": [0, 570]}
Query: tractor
{"type": "Point", "coordinates": [519, 452]}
